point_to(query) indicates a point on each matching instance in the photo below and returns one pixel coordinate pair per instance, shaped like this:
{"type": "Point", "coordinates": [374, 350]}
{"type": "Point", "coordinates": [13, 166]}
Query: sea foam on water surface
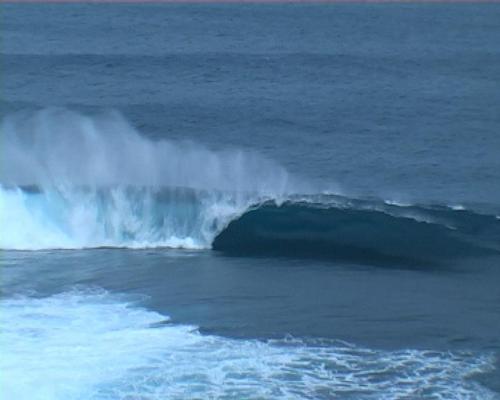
{"type": "Point", "coordinates": [89, 344]}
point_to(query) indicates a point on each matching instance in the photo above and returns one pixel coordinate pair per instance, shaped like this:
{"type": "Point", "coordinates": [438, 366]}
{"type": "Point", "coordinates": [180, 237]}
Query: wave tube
{"type": "Point", "coordinates": [334, 227]}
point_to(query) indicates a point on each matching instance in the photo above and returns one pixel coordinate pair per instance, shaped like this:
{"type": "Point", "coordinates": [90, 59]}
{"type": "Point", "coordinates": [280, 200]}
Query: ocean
{"type": "Point", "coordinates": [250, 201]}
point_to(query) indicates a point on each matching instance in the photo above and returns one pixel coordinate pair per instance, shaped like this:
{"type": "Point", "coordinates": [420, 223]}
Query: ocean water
{"type": "Point", "coordinates": [250, 201]}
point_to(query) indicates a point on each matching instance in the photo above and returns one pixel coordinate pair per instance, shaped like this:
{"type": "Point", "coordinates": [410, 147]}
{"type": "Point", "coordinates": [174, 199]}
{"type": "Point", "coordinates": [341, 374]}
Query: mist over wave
{"type": "Point", "coordinates": [70, 180]}
{"type": "Point", "coordinates": [59, 146]}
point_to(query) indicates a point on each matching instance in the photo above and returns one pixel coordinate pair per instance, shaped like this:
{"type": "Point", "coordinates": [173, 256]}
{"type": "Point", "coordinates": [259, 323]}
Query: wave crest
{"type": "Point", "coordinates": [237, 224]}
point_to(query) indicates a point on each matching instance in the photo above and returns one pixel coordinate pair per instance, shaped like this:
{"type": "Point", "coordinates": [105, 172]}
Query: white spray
{"type": "Point", "coordinates": [72, 181]}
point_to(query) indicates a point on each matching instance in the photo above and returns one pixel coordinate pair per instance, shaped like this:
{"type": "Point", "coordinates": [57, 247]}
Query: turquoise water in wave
{"type": "Point", "coordinates": [250, 201]}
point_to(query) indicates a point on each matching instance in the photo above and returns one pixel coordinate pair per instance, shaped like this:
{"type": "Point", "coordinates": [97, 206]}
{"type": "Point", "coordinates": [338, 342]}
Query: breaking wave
{"type": "Point", "coordinates": [70, 180]}
{"type": "Point", "coordinates": [75, 181]}
{"type": "Point", "coordinates": [313, 226]}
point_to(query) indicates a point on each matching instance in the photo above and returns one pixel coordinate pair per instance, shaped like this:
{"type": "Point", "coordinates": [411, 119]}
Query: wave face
{"type": "Point", "coordinates": [76, 181]}
{"type": "Point", "coordinates": [57, 345]}
{"type": "Point", "coordinates": [338, 227]}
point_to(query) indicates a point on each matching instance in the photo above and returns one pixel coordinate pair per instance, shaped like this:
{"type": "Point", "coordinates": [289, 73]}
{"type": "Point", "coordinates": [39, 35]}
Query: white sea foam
{"type": "Point", "coordinates": [91, 345]}
{"type": "Point", "coordinates": [398, 203]}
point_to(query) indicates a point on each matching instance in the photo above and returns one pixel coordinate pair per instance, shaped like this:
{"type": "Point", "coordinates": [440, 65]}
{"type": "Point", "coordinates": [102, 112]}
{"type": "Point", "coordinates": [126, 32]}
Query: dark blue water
{"type": "Point", "coordinates": [250, 201]}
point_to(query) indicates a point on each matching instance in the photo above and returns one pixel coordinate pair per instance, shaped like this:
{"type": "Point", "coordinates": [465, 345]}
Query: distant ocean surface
{"type": "Point", "coordinates": [250, 201]}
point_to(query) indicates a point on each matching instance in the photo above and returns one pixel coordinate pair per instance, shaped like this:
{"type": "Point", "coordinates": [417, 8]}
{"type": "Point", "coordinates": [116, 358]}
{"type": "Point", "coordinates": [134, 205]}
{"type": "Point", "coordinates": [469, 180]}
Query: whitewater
{"type": "Point", "coordinates": [75, 181]}
{"type": "Point", "coordinates": [134, 353]}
